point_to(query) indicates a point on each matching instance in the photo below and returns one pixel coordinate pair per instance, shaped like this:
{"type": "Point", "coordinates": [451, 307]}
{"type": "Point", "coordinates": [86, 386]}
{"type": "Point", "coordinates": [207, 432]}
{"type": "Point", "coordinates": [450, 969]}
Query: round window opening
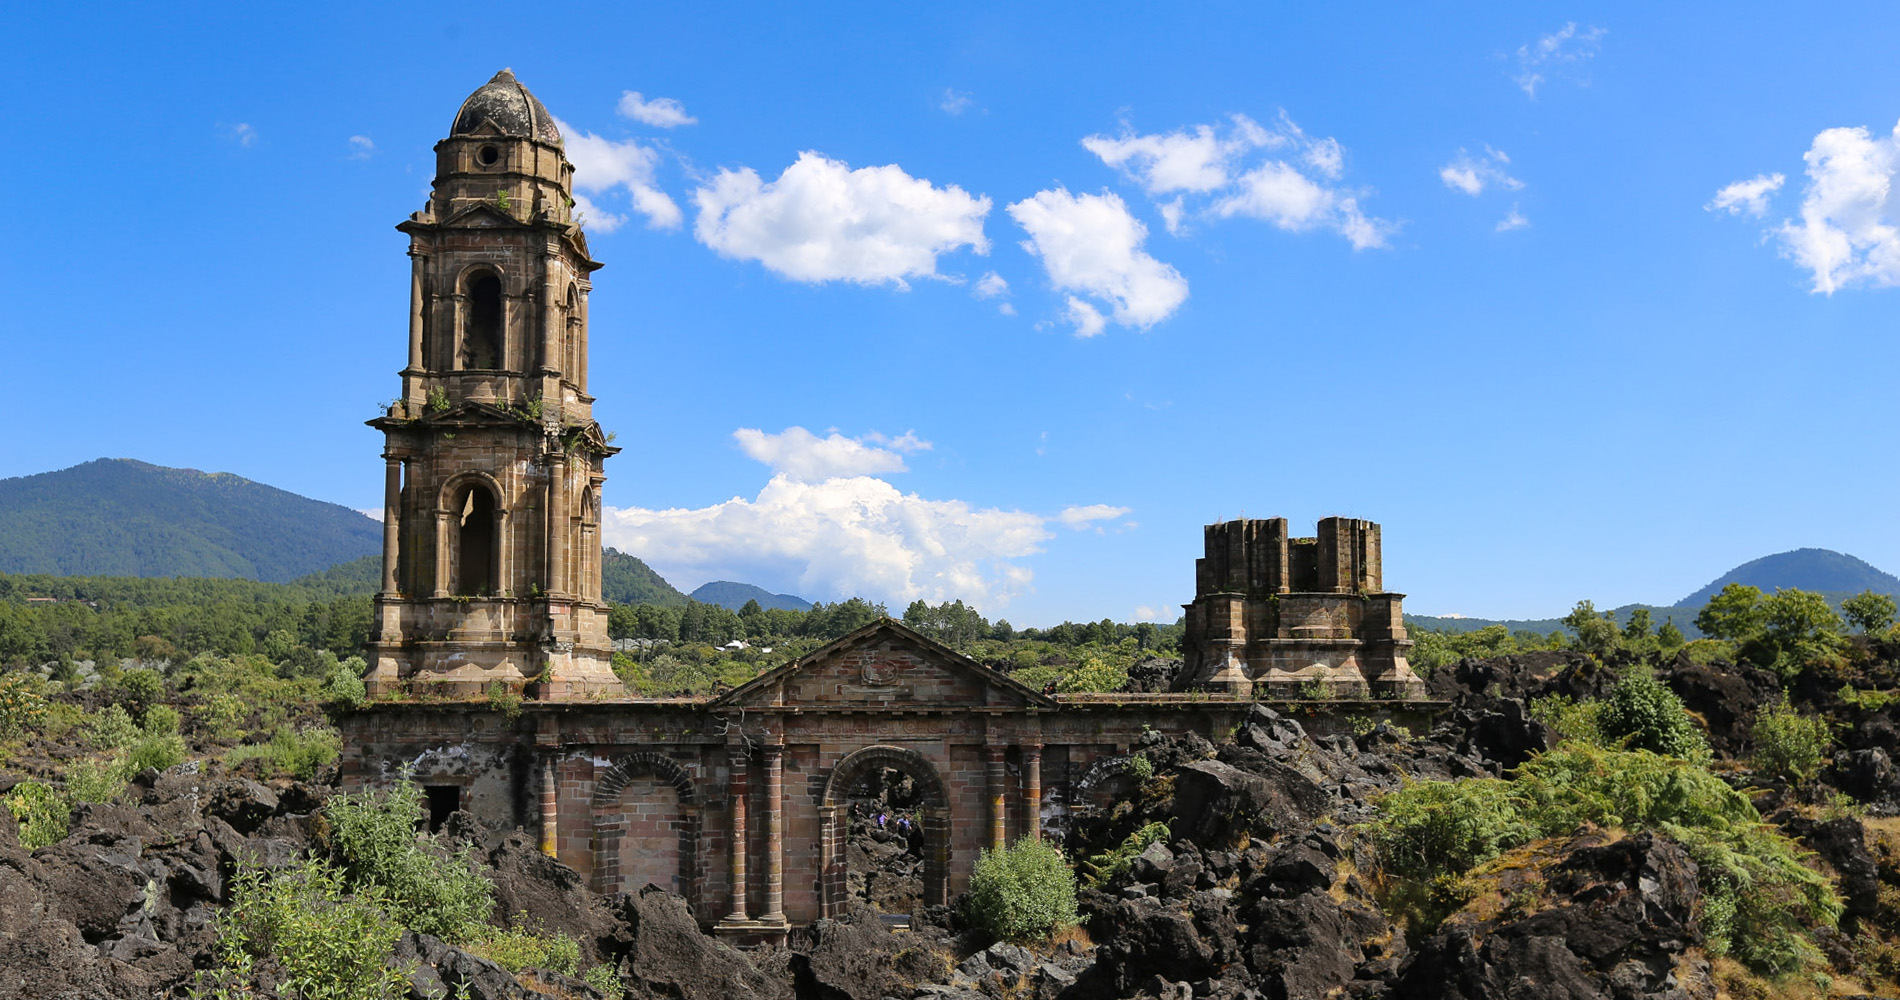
{"type": "Point", "coordinates": [488, 155]}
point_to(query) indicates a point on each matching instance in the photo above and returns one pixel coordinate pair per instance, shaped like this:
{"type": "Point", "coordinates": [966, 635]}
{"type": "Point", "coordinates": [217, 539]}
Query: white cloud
{"type": "Point", "coordinates": [373, 513]}
{"type": "Point", "coordinates": [361, 147]}
{"type": "Point", "coordinates": [1750, 196]}
{"type": "Point", "coordinates": [241, 133]}
{"type": "Point", "coordinates": [1211, 164]}
{"type": "Point", "coordinates": [802, 455]}
{"type": "Point", "coordinates": [1848, 234]}
{"type": "Point", "coordinates": [990, 286]}
{"type": "Point", "coordinates": [1472, 175]}
{"type": "Point", "coordinates": [1146, 613]}
{"type": "Point", "coordinates": [1565, 47]}
{"type": "Point", "coordinates": [602, 165]}
{"type": "Point", "coordinates": [822, 221]}
{"type": "Point", "coordinates": [954, 103]}
{"type": "Point", "coordinates": [660, 112]}
{"type": "Point", "coordinates": [1091, 244]}
{"type": "Point", "coordinates": [1513, 220]}
{"type": "Point", "coordinates": [1082, 518]}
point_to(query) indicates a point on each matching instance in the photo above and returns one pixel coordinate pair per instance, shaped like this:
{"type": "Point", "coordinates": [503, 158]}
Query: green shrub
{"type": "Point", "coordinates": [344, 687]}
{"type": "Point", "coordinates": [1139, 767]}
{"type": "Point", "coordinates": [141, 686]}
{"type": "Point", "coordinates": [160, 720]}
{"type": "Point", "coordinates": [41, 811]}
{"type": "Point", "coordinates": [95, 781]}
{"type": "Point", "coordinates": [222, 714]}
{"type": "Point", "coordinates": [112, 728]}
{"type": "Point", "coordinates": [291, 753]}
{"type": "Point", "coordinates": [1788, 744]}
{"type": "Point", "coordinates": [1643, 714]}
{"type": "Point", "coordinates": [517, 949]}
{"type": "Point", "coordinates": [429, 889]}
{"type": "Point", "coordinates": [160, 752]}
{"type": "Point", "coordinates": [1569, 718]}
{"type": "Point", "coordinates": [1023, 892]}
{"type": "Point", "coordinates": [1093, 675]}
{"type": "Point", "coordinates": [606, 979]}
{"type": "Point", "coordinates": [1435, 828]}
{"type": "Point", "coordinates": [300, 930]}
{"type": "Point", "coordinates": [21, 707]}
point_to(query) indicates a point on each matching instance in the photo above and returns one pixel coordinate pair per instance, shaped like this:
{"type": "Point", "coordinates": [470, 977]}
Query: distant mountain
{"type": "Point", "coordinates": [1684, 619]}
{"type": "Point", "coordinates": [1820, 570]}
{"type": "Point", "coordinates": [119, 517]}
{"type": "Point", "coordinates": [624, 579]}
{"type": "Point", "coordinates": [727, 594]}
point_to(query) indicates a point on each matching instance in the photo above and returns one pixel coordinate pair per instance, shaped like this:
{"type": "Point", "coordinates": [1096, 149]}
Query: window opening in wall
{"type": "Point", "coordinates": [475, 548]}
{"type": "Point", "coordinates": [482, 345]}
{"type": "Point", "coordinates": [487, 155]}
{"type": "Point", "coordinates": [443, 801]}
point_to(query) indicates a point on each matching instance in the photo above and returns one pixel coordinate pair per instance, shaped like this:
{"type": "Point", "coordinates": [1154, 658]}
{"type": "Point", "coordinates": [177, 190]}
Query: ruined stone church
{"type": "Point", "coordinates": [739, 802]}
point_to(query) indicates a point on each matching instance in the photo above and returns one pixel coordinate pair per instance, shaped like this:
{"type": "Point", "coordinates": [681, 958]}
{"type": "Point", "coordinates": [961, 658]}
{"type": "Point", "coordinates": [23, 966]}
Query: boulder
{"type": "Point", "coordinates": [1216, 804]}
{"type": "Point", "coordinates": [548, 896]}
{"type": "Point", "coordinates": [243, 803]}
{"type": "Point", "coordinates": [662, 952]}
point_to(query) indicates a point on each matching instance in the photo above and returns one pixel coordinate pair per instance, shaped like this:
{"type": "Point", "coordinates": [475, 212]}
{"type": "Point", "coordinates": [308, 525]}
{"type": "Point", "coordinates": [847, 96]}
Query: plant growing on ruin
{"type": "Point", "coordinates": [1139, 767]}
{"type": "Point", "coordinates": [1023, 892]}
{"type": "Point", "coordinates": [438, 399]}
{"type": "Point", "coordinates": [1103, 867]}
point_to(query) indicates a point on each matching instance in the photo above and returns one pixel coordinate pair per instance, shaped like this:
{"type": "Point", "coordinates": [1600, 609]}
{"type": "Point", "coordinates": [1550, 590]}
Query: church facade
{"type": "Point", "coordinates": [739, 802]}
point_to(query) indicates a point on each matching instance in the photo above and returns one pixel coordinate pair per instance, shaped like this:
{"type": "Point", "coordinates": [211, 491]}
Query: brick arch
{"type": "Point", "coordinates": [1081, 791]}
{"type": "Point", "coordinates": [835, 828]}
{"type": "Point", "coordinates": [610, 820]}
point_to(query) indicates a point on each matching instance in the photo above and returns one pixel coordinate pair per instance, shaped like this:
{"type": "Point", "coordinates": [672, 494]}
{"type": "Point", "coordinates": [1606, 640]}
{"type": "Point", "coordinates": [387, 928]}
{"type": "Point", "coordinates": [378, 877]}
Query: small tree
{"type": "Point", "coordinates": [1638, 627]}
{"type": "Point", "coordinates": [1735, 613]}
{"type": "Point", "coordinates": [1669, 636]}
{"type": "Point", "coordinates": [1596, 633]}
{"type": "Point", "coordinates": [1870, 612]}
{"type": "Point", "coordinates": [1798, 629]}
{"type": "Point", "coordinates": [1023, 892]}
{"type": "Point", "coordinates": [1644, 714]}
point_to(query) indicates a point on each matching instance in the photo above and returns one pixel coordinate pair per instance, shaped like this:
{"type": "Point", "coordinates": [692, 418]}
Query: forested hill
{"type": "Point", "coordinates": [728, 594]}
{"type": "Point", "coordinates": [119, 517]}
{"type": "Point", "coordinates": [1820, 570]}
{"type": "Point", "coordinates": [624, 579]}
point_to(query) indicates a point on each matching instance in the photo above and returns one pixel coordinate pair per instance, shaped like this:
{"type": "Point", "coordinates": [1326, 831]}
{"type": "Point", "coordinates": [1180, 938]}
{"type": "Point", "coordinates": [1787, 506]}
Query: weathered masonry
{"type": "Point", "coordinates": [740, 802]}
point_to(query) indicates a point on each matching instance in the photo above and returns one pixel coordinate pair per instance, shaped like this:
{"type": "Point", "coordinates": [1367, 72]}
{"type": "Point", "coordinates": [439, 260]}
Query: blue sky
{"type": "Point", "coordinates": [1006, 302]}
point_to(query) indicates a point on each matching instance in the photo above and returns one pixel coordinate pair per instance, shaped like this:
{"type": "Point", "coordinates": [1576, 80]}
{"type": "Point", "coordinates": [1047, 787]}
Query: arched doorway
{"type": "Point", "coordinates": [646, 827]}
{"type": "Point", "coordinates": [887, 774]}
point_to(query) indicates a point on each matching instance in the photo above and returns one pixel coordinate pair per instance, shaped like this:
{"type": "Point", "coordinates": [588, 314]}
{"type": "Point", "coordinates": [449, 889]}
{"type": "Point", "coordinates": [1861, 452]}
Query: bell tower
{"type": "Point", "coordinates": [491, 510]}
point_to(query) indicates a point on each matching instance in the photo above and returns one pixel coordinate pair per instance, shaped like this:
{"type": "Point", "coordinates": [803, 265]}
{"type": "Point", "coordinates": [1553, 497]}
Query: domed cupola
{"type": "Point", "coordinates": [509, 108]}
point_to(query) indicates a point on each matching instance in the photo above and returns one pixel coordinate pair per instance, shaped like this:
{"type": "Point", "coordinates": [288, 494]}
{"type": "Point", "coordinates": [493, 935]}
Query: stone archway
{"type": "Point", "coordinates": [613, 823]}
{"type": "Point", "coordinates": [834, 817]}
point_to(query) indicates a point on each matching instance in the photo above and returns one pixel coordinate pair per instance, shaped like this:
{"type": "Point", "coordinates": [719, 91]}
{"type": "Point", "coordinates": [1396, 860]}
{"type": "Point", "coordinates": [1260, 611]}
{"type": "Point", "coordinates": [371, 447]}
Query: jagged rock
{"type": "Point", "coordinates": [858, 958]}
{"type": "Point", "coordinates": [662, 952]}
{"type": "Point", "coordinates": [1215, 803]}
{"type": "Point", "coordinates": [243, 803]}
{"type": "Point", "coordinates": [1843, 844]}
{"type": "Point", "coordinates": [1728, 697]}
{"type": "Point", "coordinates": [1615, 920]}
{"type": "Point", "coordinates": [548, 895]}
{"type": "Point", "coordinates": [94, 883]}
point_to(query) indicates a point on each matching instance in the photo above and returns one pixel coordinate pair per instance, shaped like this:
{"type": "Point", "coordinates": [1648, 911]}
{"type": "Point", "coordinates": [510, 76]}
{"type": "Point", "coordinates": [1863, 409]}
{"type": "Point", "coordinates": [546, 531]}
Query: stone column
{"type": "Point", "coordinates": [550, 806]}
{"type": "Point", "coordinates": [415, 310]}
{"type": "Point", "coordinates": [392, 520]}
{"type": "Point", "coordinates": [774, 832]}
{"type": "Point", "coordinates": [1032, 788]}
{"type": "Point", "coordinates": [442, 552]}
{"type": "Point", "coordinates": [999, 800]}
{"type": "Point", "coordinates": [737, 788]}
{"type": "Point", "coordinates": [557, 523]}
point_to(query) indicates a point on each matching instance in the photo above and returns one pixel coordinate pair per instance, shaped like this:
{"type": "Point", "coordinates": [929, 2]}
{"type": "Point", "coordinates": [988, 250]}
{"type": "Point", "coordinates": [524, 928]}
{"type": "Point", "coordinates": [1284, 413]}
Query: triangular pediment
{"type": "Point", "coordinates": [883, 665]}
{"type": "Point", "coordinates": [482, 215]}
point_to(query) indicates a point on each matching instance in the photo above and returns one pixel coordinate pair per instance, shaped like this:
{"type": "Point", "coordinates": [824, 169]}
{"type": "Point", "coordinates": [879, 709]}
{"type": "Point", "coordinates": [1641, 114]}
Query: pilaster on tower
{"type": "Point", "coordinates": [495, 462]}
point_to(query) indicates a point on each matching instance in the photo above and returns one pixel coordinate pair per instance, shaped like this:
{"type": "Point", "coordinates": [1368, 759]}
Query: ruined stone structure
{"type": "Point", "coordinates": [1290, 617]}
{"type": "Point", "coordinates": [491, 523]}
{"type": "Point", "coordinates": [739, 802]}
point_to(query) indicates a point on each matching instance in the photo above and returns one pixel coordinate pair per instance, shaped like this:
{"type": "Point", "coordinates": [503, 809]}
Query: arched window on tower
{"type": "Point", "coordinates": [475, 542]}
{"type": "Point", "coordinates": [481, 332]}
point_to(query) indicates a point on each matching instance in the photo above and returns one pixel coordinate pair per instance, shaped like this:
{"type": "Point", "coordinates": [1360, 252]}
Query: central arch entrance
{"type": "Point", "coordinates": [925, 798]}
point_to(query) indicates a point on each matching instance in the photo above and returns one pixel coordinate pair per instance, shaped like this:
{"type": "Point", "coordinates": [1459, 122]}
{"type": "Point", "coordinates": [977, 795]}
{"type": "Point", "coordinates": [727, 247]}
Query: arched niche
{"type": "Point", "coordinates": [614, 823]}
{"type": "Point", "coordinates": [834, 819]}
{"type": "Point", "coordinates": [484, 321]}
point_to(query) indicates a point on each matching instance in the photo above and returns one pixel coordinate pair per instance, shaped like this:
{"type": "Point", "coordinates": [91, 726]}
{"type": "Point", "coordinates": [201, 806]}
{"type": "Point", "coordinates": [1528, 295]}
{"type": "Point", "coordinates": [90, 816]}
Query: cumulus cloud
{"type": "Point", "coordinates": [954, 103]}
{"type": "Point", "coordinates": [823, 221]}
{"type": "Point", "coordinates": [802, 455]}
{"type": "Point", "coordinates": [241, 133]}
{"type": "Point", "coordinates": [1091, 244]}
{"type": "Point", "coordinates": [1512, 220]}
{"type": "Point", "coordinates": [605, 166]}
{"type": "Point", "coordinates": [1564, 50]}
{"type": "Point", "coordinates": [1849, 230]}
{"type": "Point", "coordinates": [990, 286]}
{"type": "Point", "coordinates": [1212, 170]}
{"type": "Point", "coordinates": [660, 112]}
{"type": "Point", "coordinates": [1749, 196]}
{"type": "Point", "coordinates": [361, 147]}
{"type": "Point", "coordinates": [1082, 518]}
{"type": "Point", "coordinates": [1473, 174]}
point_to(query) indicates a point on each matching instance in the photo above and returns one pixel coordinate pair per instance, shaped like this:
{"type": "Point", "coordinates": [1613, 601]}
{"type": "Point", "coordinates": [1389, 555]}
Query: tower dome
{"type": "Point", "coordinates": [508, 105]}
